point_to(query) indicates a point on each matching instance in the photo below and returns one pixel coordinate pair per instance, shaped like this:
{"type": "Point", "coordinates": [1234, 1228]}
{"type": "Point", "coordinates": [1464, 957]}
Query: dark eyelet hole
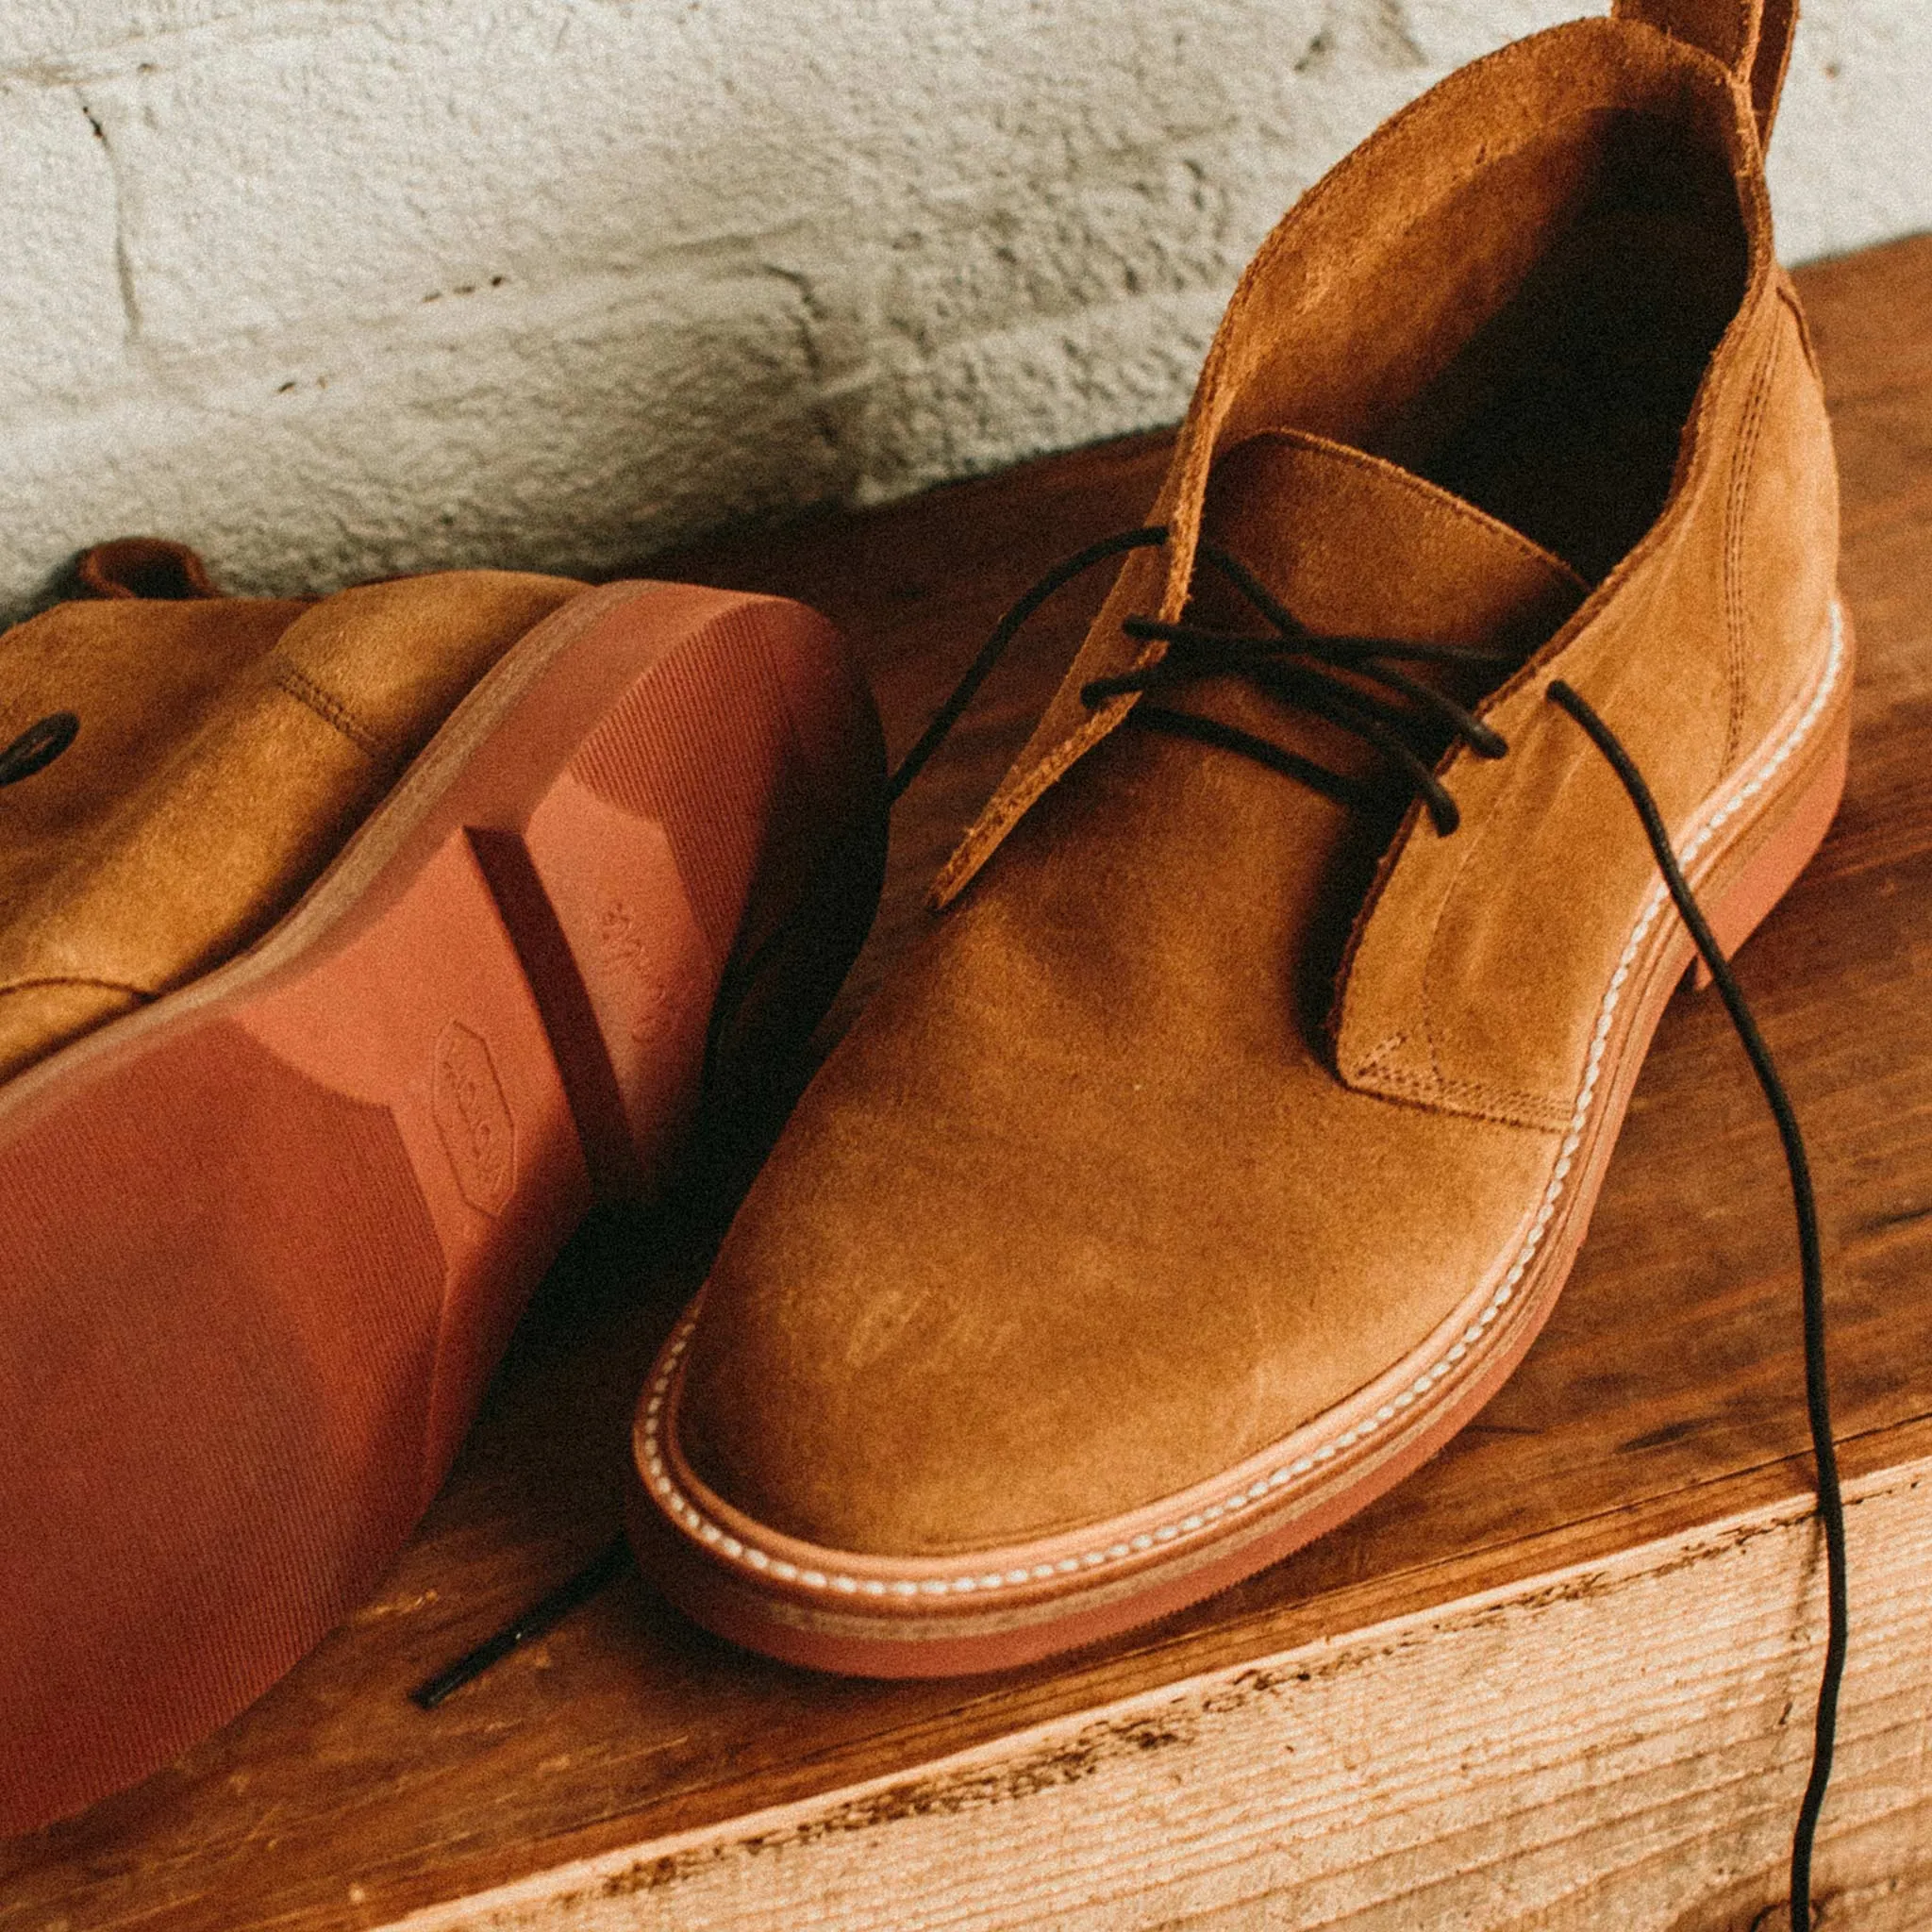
{"type": "Point", "coordinates": [38, 747]}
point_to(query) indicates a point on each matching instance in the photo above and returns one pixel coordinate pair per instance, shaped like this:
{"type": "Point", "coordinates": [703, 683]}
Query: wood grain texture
{"type": "Point", "coordinates": [1662, 1408]}
{"type": "Point", "coordinates": [1584, 1753]}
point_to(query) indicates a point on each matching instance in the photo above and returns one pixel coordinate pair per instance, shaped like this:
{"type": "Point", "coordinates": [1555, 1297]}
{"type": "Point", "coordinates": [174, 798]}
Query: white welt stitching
{"type": "Point", "coordinates": [682, 1510]}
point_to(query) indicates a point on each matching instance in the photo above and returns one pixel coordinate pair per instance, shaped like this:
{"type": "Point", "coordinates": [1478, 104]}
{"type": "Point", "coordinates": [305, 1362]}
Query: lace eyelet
{"type": "Point", "coordinates": [38, 747]}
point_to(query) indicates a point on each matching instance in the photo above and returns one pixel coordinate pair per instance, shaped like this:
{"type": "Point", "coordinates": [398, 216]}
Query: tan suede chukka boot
{"type": "Point", "coordinates": [349, 948]}
{"type": "Point", "coordinates": [1229, 1137]}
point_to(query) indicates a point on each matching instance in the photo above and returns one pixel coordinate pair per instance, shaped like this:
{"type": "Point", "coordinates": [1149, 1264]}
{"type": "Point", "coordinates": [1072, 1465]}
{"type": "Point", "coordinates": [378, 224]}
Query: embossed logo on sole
{"type": "Point", "coordinates": [623, 950]}
{"type": "Point", "coordinates": [478, 1132]}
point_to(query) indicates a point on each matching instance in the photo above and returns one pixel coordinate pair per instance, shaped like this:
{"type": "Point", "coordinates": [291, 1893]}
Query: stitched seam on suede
{"type": "Point", "coordinates": [1380, 1058]}
{"type": "Point", "coordinates": [675, 1504]}
{"type": "Point", "coordinates": [1514, 1106]}
{"type": "Point", "coordinates": [1736, 653]}
{"type": "Point", "coordinates": [330, 709]}
{"type": "Point", "coordinates": [1788, 294]}
{"type": "Point", "coordinates": [1667, 530]}
{"type": "Point", "coordinates": [1451, 888]}
{"type": "Point", "coordinates": [1477, 1090]}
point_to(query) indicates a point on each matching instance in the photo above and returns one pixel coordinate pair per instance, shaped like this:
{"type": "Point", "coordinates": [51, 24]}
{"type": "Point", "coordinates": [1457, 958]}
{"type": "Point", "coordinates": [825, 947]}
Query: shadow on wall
{"type": "Point", "coordinates": [404, 283]}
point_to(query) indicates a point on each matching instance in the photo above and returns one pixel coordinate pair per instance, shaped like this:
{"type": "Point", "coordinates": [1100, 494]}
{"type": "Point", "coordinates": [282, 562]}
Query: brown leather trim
{"type": "Point", "coordinates": [144, 567]}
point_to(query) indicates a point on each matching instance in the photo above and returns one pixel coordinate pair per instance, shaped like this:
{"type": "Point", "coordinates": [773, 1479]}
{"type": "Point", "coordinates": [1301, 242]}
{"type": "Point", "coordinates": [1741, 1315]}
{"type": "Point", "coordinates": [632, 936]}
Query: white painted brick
{"type": "Point", "coordinates": [1853, 160]}
{"type": "Point", "coordinates": [1037, 386]}
{"type": "Point", "coordinates": [61, 319]}
{"type": "Point", "coordinates": [348, 286]}
{"type": "Point", "coordinates": [63, 38]}
{"type": "Point", "coordinates": [1450, 32]}
{"type": "Point", "coordinates": [319, 181]}
{"type": "Point", "coordinates": [441, 144]}
{"type": "Point", "coordinates": [547, 445]}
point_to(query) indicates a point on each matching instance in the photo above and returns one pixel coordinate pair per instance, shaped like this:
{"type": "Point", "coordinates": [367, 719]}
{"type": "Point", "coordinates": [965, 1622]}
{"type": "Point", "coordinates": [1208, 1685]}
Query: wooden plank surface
{"type": "Point", "coordinates": [1612, 1746]}
{"type": "Point", "coordinates": [1664, 1398]}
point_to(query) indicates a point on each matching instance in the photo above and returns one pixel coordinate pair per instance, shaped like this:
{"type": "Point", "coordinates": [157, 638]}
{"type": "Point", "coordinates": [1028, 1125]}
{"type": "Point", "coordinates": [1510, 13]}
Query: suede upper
{"type": "Point", "coordinates": [227, 749]}
{"type": "Point", "coordinates": [1095, 1096]}
{"type": "Point", "coordinates": [1207, 1098]}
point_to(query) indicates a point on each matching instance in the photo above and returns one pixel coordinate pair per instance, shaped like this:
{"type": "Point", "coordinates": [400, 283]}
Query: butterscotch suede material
{"type": "Point", "coordinates": [227, 749]}
{"type": "Point", "coordinates": [1208, 1098]}
{"type": "Point", "coordinates": [1081, 1161]}
{"type": "Point", "coordinates": [1751, 37]}
{"type": "Point", "coordinates": [1705, 635]}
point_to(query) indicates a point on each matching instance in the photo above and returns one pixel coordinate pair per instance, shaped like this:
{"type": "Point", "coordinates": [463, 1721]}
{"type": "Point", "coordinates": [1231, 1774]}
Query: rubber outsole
{"type": "Point", "coordinates": [265, 1241]}
{"type": "Point", "coordinates": [839, 1611]}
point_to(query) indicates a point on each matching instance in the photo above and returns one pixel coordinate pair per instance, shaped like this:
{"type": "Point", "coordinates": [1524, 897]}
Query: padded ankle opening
{"type": "Point", "coordinates": [1563, 411]}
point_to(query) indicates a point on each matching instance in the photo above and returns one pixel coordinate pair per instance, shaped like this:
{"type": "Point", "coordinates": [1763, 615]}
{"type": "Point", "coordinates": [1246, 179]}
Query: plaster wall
{"type": "Point", "coordinates": [337, 287]}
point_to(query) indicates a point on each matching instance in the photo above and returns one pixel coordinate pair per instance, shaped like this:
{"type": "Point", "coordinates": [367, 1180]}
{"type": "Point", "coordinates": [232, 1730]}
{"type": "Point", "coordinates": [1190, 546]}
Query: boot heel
{"type": "Point", "coordinates": [1773, 868]}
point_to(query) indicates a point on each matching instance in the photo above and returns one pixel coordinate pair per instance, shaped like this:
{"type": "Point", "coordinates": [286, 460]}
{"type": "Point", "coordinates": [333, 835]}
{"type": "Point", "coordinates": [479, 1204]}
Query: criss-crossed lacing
{"type": "Point", "coordinates": [1354, 683]}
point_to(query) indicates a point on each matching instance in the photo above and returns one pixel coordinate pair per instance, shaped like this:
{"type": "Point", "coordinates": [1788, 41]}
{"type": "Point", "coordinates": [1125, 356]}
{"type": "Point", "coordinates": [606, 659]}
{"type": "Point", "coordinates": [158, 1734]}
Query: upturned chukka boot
{"type": "Point", "coordinates": [349, 948]}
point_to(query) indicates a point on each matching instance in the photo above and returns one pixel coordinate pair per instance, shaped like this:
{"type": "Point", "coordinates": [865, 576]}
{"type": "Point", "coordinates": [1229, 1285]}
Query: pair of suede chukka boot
{"type": "Point", "coordinates": [349, 949]}
{"type": "Point", "coordinates": [1226, 1139]}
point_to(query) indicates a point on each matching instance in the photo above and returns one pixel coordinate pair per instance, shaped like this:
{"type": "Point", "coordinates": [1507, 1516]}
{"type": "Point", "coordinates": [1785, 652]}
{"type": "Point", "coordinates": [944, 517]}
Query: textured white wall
{"type": "Point", "coordinates": [333, 288]}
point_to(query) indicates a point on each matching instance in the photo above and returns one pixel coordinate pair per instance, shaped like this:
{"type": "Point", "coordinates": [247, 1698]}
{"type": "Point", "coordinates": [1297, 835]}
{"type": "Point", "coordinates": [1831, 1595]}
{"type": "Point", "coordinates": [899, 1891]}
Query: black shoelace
{"type": "Point", "coordinates": [1343, 679]}
{"type": "Point", "coordinates": [1831, 1508]}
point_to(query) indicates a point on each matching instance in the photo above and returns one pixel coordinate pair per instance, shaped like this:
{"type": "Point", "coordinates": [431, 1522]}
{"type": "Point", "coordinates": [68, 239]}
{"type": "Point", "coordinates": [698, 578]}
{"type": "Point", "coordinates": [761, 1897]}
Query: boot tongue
{"type": "Point", "coordinates": [1354, 546]}
{"type": "Point", "coordinates": [1236, 871]}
